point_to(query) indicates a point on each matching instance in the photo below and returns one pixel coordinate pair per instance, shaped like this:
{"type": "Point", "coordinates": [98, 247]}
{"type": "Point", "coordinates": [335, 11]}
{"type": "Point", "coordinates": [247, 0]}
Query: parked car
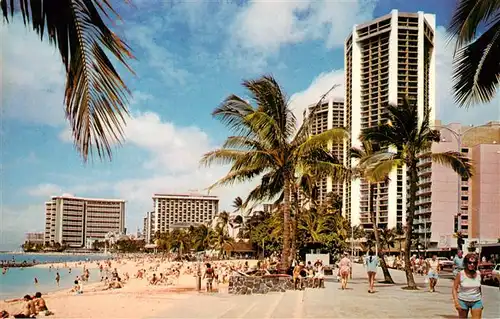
{"type": "Point", "coordinates": [496, 275]}
{"type": "Point", "coordinates": [445, 263]}
{"type": "Point", "coordinates": [486, 270]}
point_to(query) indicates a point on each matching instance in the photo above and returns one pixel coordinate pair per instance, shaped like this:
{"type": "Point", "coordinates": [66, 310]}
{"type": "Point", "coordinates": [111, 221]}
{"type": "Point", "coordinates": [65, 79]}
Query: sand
{"type": "Point", "coordinates": [137, 299]}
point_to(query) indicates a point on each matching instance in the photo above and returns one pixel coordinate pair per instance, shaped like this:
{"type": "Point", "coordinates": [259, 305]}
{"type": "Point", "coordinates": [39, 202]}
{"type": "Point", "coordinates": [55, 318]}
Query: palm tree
{"type": "Point", "coordinates": [203, 237]}
{"type": "Point", "coordinates": [268, 145]}
{"type": "Point", "coordinates": [387, 238]}
{"type": "Point", "coordinates": [221, 239]}
{"type": "Point", "coordinates": [476, 71]}
{"type": "Point", "coordinates": [413, 140]}
{"type": "Point", "coordinates": [223, 219]}
{"type": "Point", "coordinates": [400, 233]}
{"type": "Point", "coordinates": [95, 97]}
{"type": "Point", "coordinates": [363, 170]}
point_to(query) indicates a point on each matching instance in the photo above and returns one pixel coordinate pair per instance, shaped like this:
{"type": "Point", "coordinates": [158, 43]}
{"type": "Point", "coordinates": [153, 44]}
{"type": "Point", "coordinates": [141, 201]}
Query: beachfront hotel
{"type": "Point", "coordinates": [386, 59]}
{"type": "Point", "coordinates": [446, 203]}
{"type": "Point", "coordinates": [173, 211]}
{"type": "Point", "coordinates": [35, 238]}
{"type": "Point", "coordinates": [327, 116]}
{"type": "Point", "coordinates": [148, 226]}
{"type": "Point", "coordinates": [78, 222]}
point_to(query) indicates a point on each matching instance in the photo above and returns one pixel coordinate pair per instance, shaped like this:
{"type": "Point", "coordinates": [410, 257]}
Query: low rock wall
{"type": "Point", "coordinates": [241, 285]}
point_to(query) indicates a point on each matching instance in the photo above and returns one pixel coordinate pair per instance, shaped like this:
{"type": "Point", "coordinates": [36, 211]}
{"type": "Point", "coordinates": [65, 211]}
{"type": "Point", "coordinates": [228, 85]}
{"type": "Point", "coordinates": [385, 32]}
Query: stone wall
{"type": "Point", "coordinates": [241, 285]}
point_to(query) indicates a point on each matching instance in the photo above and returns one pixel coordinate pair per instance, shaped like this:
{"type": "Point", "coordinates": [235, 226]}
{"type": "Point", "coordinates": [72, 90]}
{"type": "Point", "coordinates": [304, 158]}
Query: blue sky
{"type": "Point", "coordinates": [190, 55]}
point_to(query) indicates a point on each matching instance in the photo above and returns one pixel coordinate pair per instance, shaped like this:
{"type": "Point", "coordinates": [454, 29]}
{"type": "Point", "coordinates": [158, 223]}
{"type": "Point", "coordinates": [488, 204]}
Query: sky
{"type": "Point", "coordinates": [190, 55]}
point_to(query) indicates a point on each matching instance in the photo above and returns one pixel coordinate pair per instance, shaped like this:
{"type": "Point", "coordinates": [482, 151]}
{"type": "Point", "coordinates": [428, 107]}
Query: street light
{"type": "Point", "coordinates": [459, 138]}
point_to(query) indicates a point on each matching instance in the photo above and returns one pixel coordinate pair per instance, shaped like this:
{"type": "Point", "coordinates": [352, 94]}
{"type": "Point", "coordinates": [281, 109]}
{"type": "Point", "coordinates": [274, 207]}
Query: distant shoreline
{"type": "Point", "coordinates": [52, 253]}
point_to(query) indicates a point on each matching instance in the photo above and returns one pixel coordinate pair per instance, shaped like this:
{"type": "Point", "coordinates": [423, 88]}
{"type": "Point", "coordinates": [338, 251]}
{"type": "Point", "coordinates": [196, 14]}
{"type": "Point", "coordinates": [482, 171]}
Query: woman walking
{"type": "Point", "coordinates": [344, 270]}
{"type": "Point", "coordinates": [467, 293]}
{"type": "Point", "coordinates": [371, 263]}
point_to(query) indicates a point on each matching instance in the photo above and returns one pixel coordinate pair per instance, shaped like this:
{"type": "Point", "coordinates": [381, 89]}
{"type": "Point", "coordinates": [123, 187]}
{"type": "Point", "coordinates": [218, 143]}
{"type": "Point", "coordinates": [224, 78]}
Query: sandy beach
{"type": "Point", "coordinates": [137, 299]}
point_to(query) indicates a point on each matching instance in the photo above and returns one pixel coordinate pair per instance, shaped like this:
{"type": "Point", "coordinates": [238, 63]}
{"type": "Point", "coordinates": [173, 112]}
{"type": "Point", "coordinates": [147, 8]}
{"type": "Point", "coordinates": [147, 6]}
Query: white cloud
{"type": "Point", "coordinates": [265, 26]}
{"type": "Point", "coordinates": [45, 190]}
{"type": "Point", "coordinates": [318, 87]}
{"type": "Point", "coordinates": [447, 110]}
{"type": "Point", "coordinates": [33, 76]}
{"type": "Point", "coordinates": [15, 221]}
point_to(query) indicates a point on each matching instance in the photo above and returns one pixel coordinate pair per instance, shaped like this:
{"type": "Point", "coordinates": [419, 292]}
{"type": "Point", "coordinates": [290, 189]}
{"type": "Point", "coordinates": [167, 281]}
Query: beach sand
{"type": "Point", "coordinates": [137, 299]}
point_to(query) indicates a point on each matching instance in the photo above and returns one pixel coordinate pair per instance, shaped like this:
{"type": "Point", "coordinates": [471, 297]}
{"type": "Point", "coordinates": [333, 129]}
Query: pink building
{"type": "Point", "coordinates": [484, 214]}
{"type": "Point", "coordinates": [447, 204]}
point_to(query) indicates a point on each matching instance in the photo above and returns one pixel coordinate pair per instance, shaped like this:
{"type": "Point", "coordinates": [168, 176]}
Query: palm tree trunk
{"type": "Point", "coordinates": [383, 265]}
{"type": "Point", "coordinates": [409, 222]}
{"type": "Point", "coordinates": [285, 254]}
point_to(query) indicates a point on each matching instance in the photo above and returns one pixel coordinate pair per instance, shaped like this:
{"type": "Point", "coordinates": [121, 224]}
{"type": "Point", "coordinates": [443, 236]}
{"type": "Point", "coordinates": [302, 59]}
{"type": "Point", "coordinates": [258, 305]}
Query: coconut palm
{"type": "Point", "coordinates": [268, 145]}
{"type": "Point", "coordinates": [476, 67]}
{"type": "Point", "coordinates": [413, 139]}
{"type": "Point", "coordinates": [95, 96]}
{"type": "Point", "coordinates": [387, 238]}
{"type": "Point", "coordinates": [202, 237]}
{"type": "Point", "coordinates": [363, 170]}
{"type": "Point", "coordinates": [221, 239]}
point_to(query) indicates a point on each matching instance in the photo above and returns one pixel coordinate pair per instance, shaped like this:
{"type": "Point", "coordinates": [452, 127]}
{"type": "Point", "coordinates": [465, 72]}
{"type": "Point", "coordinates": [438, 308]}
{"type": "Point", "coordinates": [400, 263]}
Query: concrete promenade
{"type": "Point", "coordinates": [390, 301]}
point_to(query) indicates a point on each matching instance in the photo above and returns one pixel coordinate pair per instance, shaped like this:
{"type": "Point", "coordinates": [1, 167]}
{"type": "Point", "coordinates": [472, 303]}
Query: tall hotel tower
{"type": "Point", "coordinates": [385, 60]}
{"type": "Point", "coordinates": [329, 115]}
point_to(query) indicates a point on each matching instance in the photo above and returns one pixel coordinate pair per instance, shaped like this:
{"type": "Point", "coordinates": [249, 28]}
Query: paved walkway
{"type": "Point", "coordinates": [390, 301]}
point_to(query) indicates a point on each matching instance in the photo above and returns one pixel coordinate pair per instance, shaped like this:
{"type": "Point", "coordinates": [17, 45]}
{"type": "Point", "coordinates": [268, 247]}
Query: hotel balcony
{"type": "Point", "coordinates": [423, 181]}
{"type": "Point", "coordinates": [423, 191]}
{"type": "Point", "coordinates": [426, 170]}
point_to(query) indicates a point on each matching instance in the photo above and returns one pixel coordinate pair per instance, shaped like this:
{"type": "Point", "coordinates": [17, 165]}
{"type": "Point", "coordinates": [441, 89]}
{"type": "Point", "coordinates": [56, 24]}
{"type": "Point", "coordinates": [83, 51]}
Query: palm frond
{"type": "Point", "coordinates": [468, 16]}
{"type": "Point", "coordinates": [322, 140]}
{"type": "Point", "coordinates": [222, 156]}
{"type": "Point", "coordinates": [237, 176]}
{"type": "Point", "coordinates": [232, 112]}
{"type": "Point", "coordinates": [271, 100]}
{"type": "Point", "coordinates": [95, 96]}
{"type": "Point", "coordinates": [459, 163]}
{"type": "Point", "coordinates": [476, 71]}
{"type": "Point", "coordinates": [380, 165]}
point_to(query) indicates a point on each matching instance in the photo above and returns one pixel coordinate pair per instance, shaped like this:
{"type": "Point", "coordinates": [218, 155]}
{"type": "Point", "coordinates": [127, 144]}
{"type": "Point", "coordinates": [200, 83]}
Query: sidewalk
{"type": "Point", "coordinates": [390, 301]}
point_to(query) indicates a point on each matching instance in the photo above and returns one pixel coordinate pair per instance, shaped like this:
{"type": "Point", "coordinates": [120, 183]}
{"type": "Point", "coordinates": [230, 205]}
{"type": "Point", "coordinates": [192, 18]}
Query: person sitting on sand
{"type": "Point", "coordinates": [153, 280]}
{"type": "Point", "coordinates": [40, 304]}
{"type": "Point", "coordinates": [78, 287]}
{"type": "Point", "coordinates": [29, 310]}
{"type": "Point", "coordinates": [4, 314]}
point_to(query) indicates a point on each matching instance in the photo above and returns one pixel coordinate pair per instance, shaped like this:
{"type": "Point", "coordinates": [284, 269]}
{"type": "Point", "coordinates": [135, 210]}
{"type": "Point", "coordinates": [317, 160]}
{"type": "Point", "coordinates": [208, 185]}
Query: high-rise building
{"type": "Point", "coordinates": [446, 203]}
{"type": "Point", "coordinates": [327, 116]}
{"type": "Point", "coordinates": [78, 221]}
{"type": "Point", "coordinates": [386, 60]}
{"type": "Point", "coordinates": [180, 211]}
{"type": "Point", "coordinates": [148, 227]}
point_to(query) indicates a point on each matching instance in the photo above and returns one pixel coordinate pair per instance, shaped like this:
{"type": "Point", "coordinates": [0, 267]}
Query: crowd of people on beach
{"type": "Point", "coordinates": [168, 270]}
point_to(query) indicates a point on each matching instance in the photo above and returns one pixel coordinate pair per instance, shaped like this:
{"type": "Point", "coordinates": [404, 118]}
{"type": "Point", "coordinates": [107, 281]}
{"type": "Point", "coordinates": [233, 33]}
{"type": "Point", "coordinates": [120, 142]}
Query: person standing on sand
{"type": "Point", "coordinates": [209, 276]}
{"type": "Point", "coordinates": [344, 270]}
{"type": "Point", "coordinates": [371, 263]}
{"type": "Point", "coordinates": [58, 278]}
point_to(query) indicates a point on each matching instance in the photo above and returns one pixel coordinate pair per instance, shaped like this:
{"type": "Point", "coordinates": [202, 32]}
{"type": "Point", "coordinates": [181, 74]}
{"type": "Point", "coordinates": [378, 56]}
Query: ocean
{"type": "Point", "coordinates": [18, 282]}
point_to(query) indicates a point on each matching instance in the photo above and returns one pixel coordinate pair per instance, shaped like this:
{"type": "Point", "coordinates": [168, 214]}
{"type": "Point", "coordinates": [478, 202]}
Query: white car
{"type": "Point", "coordinates": [445, 262]}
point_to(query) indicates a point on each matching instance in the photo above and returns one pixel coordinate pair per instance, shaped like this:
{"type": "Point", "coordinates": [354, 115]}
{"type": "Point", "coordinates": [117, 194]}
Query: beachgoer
{"type": "Point", "coordinates": [29, 310]}
{"type": "Point", "coordinates": [58, 278]}
{"type": "Point", "coordinates": [371, 263]}
{"type": "Point", "coordinates": [344, 270]}
{"type": "Point", "coordinates": [40, 304]}
{"type": "Point", "coordinates": [466, 291]}
{"type": "Point", "coordinates": [319, 276]}
{"type": "Point", "coordinates": [209, 275]}
{"type": "Point", "coordinates": [433, 272]}
{"type": "Point", "coordinates": [36, 281]}
{"type": "Point", "coordinates": [297, 279]}
{"type": "Point", "coordinates": [458, 263]}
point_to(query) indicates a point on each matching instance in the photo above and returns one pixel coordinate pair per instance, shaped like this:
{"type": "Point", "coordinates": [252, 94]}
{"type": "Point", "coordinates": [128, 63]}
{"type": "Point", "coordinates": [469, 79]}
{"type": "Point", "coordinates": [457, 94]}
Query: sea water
{"type": "Point", "coordinates": [17, 282]}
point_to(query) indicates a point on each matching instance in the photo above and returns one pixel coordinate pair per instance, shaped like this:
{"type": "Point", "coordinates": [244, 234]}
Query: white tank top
{"type": "Point", "coordinates": [470, 288]}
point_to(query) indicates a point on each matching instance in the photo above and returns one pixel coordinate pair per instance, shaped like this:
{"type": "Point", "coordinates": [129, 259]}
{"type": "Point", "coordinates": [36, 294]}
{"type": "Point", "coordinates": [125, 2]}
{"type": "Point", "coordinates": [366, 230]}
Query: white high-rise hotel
{"type": "Point", "coordinates": [385, 60]}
